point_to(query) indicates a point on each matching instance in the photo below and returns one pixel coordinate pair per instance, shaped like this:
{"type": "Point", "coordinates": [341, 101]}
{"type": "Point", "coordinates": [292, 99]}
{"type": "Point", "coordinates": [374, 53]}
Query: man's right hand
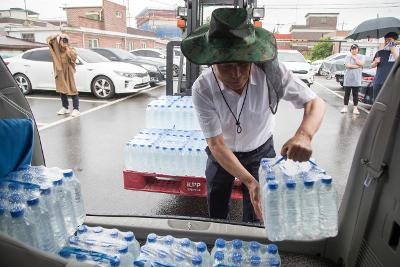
{"type": "Point", "coordinates": [377, 60]}
{"type": "Point", "coordinates": [255, 197]}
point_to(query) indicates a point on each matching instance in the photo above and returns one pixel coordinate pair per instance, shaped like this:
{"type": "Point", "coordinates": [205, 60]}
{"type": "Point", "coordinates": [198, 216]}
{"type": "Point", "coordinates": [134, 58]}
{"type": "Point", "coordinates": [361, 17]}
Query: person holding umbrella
{"type": "Point", "coordinates": [384, 60]}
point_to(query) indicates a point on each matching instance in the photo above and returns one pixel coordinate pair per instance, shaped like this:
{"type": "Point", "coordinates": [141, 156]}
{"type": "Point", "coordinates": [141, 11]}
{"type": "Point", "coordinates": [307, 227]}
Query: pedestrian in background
{"type": "Point", "coordinates": [352, 78]}
{"type": "Point", "coordinates": [384, 60]}
{"type": "Point", "coordinates": [64, 58]}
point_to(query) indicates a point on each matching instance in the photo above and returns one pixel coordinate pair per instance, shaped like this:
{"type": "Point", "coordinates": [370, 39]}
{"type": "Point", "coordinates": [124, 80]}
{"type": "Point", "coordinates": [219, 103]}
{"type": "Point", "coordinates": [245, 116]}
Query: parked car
{"type": "Point", "coordinates": [367, 82]}
{"type": "Point", "coordinates": [116, 54]}
{"type": "Point", "coordinates": [317, 65]}
{"type": "Point", "coordinates": [94, 73]}
{"type": "Point", "coordinates": [160, 56]}
{"type": "Point", "coordinates": [296, 62]}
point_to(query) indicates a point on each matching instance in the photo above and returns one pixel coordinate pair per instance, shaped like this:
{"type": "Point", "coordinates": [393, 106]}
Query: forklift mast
{"type": "Point", "coordinates": [193, 14]}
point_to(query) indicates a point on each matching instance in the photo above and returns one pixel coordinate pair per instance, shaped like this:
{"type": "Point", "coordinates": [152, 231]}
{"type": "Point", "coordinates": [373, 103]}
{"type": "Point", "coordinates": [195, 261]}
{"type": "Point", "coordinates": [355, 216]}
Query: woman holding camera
{"type": "Point", "coordinates": [64, 58]}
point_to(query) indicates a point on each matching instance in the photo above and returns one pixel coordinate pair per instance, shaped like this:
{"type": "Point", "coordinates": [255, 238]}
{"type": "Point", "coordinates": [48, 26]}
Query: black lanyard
{"type": "Point", "coordinates": [238, 127]}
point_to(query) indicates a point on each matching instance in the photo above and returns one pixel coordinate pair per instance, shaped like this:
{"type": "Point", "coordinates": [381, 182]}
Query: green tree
{"type": "Point", "coordinates": [321, 49]}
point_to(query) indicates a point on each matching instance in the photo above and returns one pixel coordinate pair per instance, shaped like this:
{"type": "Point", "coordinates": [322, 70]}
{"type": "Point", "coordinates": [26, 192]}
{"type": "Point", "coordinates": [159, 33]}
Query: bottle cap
{"type": "Point", "coordinates": [272, 248]}
{"type": "Point", "coordinates": [13, 186]}
{"type": "Point", "coordinates": [290, 183]}
{"type": "Point", "coordinates": [255, 260]}
{"type": "Point", "coordinates": [15, 198]}
{"type": "Point", "coordinates": [201, 247]}
{"type": "Point", "coordinates": [97, 229]}
{"type": "Point", "coordinates": [274, 262]}
{"type": "Point", "coordinates": [82, 229]}
{"type": "Point", "coordinates": [254, 246]}
{"type": "Point", "coordinates": [65, 253]}
{"type": "Point", "coordinates": [152, 238]}
{"type": "Point", "coordinates": [308, 183]}
{"type": "Point", "coordinates": [169, 240]}
{"type": "Point", "coordinates": [326, 179]}
{"type": "Point", "coordinates": [58, 182]}
{"type": "Point", "coordinates": [237, 244]}
{"type": "Point", "coordinates": [123, 249]}
{"type": "Point", "coordinates": [17, 212]}
{"type": "Point", "coordinates": [219, 255]}
{"type": "Point", "coordinates": [129, 236]}
{"type": "Point", "coordinates": [139, 263]}
{"type": "Point", "coordinates": [45, 190]}
{"type": "Point", "coordinates": [272, 185]}
{"type": "Point", "coordinates": [236, 257]}
{"type": "Point", "coordinates": [33, 201]}
{"type": "Point", "coordinates": [185, 242]}
{"type": "Point", "coordinates": [114, 233]}
{"type": "Point", "coordinates": [220, 243]}
{"type": "Point", "coordinates": [74, 240]}
{"type": "Point", "coordinates": [196, 260]}
{"type": "Point", "coordinates": [115, 261]}
{"type": "Point", "coordinates": [68, 173]}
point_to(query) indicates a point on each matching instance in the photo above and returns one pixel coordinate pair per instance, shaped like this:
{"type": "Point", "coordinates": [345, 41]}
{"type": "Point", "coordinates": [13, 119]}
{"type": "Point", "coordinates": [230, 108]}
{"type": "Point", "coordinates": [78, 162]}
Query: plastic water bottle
{"type": "Point", "coordinates": [64, 198]}
{"type": "Point", "coordinates": [272, 252]}
{"type": "Point", "coordinates": [55, 216]}
{"type": "Point", "coordinates": [254, 249]}
{"type": "Point", "coordinates": [40, 221]}
{"type": "Point", "coordinates": [4, 219]}
{"type": "Point", "coordinates": [292, 211]}
{"type": "Point", "coordinates": [310, 211]}
{"type": "Point", "coordinates": [126, 258]}
{"type": "Point", "coordinates": [328, 207]}
{"type": "Point", "coordinates": [220, 245]}
{"type": "Point", "coordinates": [201, 248]}
{"type": "Point", "coordinates": [274, 262]}
{"type": "Point", "coordinates": [133, 244]}
{"type": "Point", "coordinates": [237, 260]}
{"type": "Point", "coordinates": [255, 260]}
{"type": "Point", "coordinates": [20, 228]}
{"type": "Point", "coordinates": [74, 186]}
{"type": "Point", "coordinates": [219, 258]}
{"type": "Point", "coordinates": [197, 261]}
{"type": "Point", "coordinates": [273, 212]}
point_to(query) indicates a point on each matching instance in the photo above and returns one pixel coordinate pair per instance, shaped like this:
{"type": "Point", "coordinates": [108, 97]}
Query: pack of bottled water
{"type": "Point", "coordinates": [41, 206]}
{"type": "Point", "coordinates": [172, 112]}
{"type": "Point", "coordinates": [240, 253]}
{"type": "Point", "coordinates": [92, 241]}
{"type": "Point", "coordinates": [170, 251]}
{"type": "Point", "coordinates": [298, 199]}
{"type": "Point", "coordinates": [166, 151]}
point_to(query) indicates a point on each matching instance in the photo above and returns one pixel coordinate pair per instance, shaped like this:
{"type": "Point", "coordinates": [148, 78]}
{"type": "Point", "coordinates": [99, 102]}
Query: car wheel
{"type": "Point", "coordinates": [24, 83]}
{"type": "Point", "coordinates": [175, 70]}
{"type": "Point", "coordinates": [152, 84]}
{"type": "Point", "coordinates": [103, 87]}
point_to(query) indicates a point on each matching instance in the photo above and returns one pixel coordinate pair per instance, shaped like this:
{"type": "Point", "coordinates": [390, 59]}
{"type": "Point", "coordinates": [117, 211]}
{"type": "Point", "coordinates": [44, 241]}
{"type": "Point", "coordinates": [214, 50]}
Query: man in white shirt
{"type": "Point", "coordinates": [234, 101]}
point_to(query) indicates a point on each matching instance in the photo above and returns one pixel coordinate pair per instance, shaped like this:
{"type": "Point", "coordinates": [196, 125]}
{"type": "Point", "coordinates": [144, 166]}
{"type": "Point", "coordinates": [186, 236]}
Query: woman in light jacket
{"type": "Point", "coordinates": [64, 58]}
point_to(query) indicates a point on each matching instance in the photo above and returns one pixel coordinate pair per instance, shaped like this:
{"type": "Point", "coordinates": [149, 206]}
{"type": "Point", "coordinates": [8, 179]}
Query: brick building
{"type": "Point", "coordinates": [317, 26]}
{"type": "Point", "coordinates": [160, 21]}
{"type": "Point", "coordinates": [93, 26]}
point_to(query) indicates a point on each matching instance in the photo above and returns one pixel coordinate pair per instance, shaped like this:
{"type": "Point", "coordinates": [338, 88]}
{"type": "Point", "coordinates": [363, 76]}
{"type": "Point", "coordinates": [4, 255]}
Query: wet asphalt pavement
{"type": "Point", "coordinates": [93, 145]}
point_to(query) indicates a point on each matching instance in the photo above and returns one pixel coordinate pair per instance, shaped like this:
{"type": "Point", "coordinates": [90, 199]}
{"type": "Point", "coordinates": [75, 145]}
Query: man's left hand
{"type": "Point", "coordinates": [297, 148]}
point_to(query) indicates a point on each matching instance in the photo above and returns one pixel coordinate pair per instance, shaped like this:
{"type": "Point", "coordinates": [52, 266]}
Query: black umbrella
{"type": "Point", "coordinates": [375, 28]}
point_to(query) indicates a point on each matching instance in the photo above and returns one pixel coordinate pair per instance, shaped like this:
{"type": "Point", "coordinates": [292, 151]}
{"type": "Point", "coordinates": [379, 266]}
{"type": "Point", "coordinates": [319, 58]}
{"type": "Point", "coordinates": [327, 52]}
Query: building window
{"type": "Point", "coordinates": [130, 46]}
{"type": "Point", "coordinates": [118, 45]}
{"type": "Point", "coordinates": [93, 43]}
{"type": "Point", "coordinates": [323, 20]}
{"type": "Point", "coordinates": [95, 15]}
{"type": "Point", "coordinates": [28, 37]}
{"type": "Point", "coordinates": [143, 44]}
{"type": "Point", "coordinates": [118, 14]}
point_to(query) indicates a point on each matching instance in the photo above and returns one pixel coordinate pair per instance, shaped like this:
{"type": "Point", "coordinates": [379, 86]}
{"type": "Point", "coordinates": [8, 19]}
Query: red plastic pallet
{"type": "Point", "coordinates": [169, 184]}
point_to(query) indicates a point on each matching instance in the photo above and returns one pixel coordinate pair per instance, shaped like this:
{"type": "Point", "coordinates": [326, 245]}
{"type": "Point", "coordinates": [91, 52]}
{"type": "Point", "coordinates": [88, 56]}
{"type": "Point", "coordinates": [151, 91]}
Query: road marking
{"type": "Point", "coordinates": [50, 125]}
{"type": "Point", "coordinates": [340, 96]}
{"type": "Point", "coordinates": [58, 99]}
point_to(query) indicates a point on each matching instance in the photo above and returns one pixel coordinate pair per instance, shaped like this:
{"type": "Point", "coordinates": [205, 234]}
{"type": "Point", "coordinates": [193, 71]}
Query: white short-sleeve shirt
{"type": "Point", "coordinates": [256, 120]}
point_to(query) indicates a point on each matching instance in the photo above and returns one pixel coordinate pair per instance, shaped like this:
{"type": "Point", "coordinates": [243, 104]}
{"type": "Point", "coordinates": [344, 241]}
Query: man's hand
{"type": "Point", "coordinates": [298, 148]}
{"type": "Point", "coordinates": [255, 197]}
{"type": "Point", "coordinates": [377, 60]}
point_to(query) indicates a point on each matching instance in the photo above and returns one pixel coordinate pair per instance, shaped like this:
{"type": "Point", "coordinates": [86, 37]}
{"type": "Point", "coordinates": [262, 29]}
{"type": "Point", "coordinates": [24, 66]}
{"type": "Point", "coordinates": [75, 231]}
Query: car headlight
{"type": "Point", "coordinates": [149, 67]}
{"type": "Point", "coordinates": [126, 74]}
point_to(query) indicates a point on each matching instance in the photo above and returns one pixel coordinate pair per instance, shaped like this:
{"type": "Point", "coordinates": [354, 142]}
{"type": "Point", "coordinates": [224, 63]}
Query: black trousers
{"type": "Point", "coordinates": [75, 101]}
{"type": "Point", "coordinates": [349, 89]}
{"type": "Point", "coordinates": [219, 182]}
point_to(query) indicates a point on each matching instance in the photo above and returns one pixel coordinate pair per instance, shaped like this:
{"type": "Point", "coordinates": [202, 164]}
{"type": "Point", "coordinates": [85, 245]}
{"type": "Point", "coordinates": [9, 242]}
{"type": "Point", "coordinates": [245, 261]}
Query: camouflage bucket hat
{"type": "Point", "coordinates": [230, 37]}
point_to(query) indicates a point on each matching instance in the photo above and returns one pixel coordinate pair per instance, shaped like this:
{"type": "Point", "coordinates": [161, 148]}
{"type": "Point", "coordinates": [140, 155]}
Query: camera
{"type": "Point", "coordinates": [64, 40]}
